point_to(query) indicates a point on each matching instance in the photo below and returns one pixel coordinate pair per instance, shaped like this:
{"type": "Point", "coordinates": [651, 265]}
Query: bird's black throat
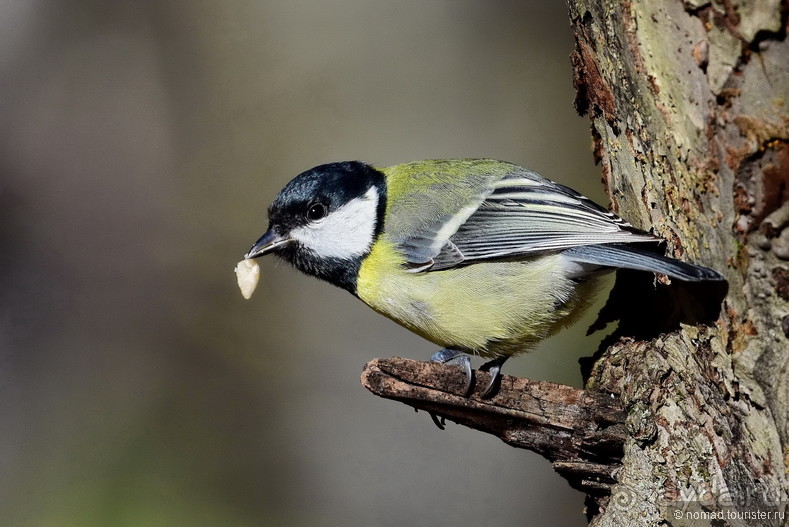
{"type": "Point", "coordinates": [340, 272]}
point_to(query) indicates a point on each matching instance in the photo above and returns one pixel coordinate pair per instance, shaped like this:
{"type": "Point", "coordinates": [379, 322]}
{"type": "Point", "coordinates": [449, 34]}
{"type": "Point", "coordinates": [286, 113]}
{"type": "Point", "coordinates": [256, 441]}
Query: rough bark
{"type": "Point", "coordinates": [688, 103]}
{"type": "Point", "coordinates": [581, 432]}
{"type": "Point", "coordinates": [689, 107]}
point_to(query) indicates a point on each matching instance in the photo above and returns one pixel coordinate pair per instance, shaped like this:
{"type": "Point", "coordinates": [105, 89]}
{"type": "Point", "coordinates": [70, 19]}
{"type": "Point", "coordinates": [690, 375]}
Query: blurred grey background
{"type": "Point", "coordinates": [140, 144]}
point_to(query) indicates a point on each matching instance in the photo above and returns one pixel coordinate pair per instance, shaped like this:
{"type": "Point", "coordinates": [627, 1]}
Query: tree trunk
{"type": "Point", "coordinates": [689, 110]}
{"type": "Point", "coordinates": [689, 105]}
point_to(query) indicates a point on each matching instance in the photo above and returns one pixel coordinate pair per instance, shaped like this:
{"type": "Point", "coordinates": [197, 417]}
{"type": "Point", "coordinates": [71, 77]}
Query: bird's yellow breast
{"type": "Point", "coordinates": [488, 308]}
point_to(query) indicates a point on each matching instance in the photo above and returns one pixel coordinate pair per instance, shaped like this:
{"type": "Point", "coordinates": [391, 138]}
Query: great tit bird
{"type": "Point", "coordinates": [479, 256]}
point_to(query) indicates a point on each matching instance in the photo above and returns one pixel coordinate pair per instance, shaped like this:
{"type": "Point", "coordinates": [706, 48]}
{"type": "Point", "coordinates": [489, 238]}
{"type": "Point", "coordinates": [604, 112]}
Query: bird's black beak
{"type": "Point", "coordinates": [266, 244]}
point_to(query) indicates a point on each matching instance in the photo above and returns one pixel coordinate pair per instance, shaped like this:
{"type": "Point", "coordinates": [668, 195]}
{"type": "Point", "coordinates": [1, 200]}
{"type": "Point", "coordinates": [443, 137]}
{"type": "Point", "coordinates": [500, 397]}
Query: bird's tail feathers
{"type": "Point", "coordinates": [628, 257]}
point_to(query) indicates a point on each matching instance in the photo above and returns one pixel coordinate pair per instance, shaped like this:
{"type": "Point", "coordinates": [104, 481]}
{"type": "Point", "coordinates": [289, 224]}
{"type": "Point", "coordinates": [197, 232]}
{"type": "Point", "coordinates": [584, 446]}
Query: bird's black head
{"type": "Point", "coordinates": [325, 220]}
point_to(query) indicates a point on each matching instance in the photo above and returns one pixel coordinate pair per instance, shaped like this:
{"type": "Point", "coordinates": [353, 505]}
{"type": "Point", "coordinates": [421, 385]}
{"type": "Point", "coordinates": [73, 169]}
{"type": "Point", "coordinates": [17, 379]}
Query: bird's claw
{"type": "Point", "coordinates": [457, 358]}
{"type": "Point", "coordinates": [493, 367]}
{"type": "Point", "coordinates": [439, 420]}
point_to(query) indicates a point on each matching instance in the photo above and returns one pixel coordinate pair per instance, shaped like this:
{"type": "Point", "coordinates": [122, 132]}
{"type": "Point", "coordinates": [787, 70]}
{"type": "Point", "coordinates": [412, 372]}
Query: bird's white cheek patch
{"type": "Point", "coordinates": [344, 233]}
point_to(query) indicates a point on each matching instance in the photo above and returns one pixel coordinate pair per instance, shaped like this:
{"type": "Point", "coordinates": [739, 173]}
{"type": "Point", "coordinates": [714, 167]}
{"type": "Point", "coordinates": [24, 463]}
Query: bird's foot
{"type": "Point", "coordinates": [457, 358]}
{"type": "Point", "coordinates": [493, 367]}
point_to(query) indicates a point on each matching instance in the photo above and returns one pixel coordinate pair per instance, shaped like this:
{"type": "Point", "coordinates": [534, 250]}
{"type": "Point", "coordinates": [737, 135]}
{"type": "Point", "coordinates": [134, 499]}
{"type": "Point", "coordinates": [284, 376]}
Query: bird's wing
{"type": "Point", "coordinates": [512, 213]}
{"type": "Point", "coordinates": [427, 201]}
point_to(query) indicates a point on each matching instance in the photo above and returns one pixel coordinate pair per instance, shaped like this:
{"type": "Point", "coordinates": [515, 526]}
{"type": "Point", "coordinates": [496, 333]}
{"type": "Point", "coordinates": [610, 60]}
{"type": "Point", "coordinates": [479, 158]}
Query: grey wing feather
{"type": "Point", "coordinates": [631, 258]}
{"type": "Point", "coordinates": [525, 214]}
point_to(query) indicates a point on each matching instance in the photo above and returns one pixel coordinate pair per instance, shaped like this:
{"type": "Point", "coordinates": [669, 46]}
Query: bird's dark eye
{"type": "Point", "coordinates": [316, 211]}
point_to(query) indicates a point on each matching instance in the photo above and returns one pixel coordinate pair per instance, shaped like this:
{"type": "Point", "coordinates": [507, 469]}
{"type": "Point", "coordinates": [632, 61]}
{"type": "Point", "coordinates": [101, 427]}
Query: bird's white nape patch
{"type": "Point", "coordinates": [344, 233]}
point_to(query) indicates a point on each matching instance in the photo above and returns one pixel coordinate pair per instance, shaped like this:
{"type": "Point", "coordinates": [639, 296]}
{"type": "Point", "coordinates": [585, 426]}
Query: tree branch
{"type": "Point", "coordinates": [581, 432]}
